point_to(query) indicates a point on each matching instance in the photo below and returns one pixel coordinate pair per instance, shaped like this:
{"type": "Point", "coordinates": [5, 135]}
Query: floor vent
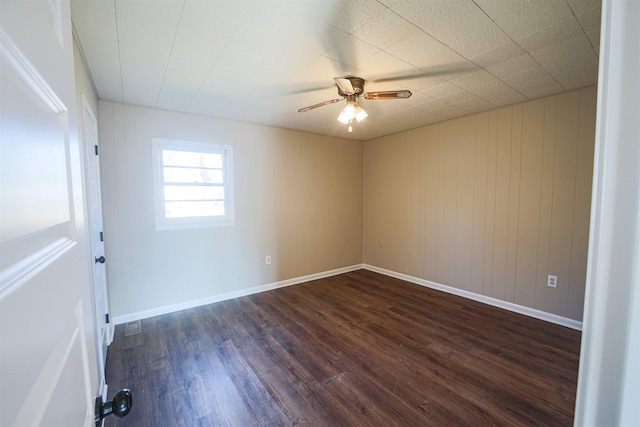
{"type": "Point", "coordinates": [132, 328]}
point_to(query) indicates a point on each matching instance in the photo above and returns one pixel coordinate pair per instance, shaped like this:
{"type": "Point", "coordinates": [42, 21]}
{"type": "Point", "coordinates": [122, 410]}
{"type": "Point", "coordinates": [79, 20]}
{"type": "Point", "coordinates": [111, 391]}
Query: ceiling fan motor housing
{"type": "Point", "coordinates": [358, 86]}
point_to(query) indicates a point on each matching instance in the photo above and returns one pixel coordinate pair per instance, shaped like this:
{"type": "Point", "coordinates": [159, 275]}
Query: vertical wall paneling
{"type": "Point", "coordinates": [514, 202]}
{"type": "Point", "coordinates": [430, 194]}
{"type": "Point", "coordinates": [582, 203]}
{"type": "Point", "coordinates": [529, 209]}
{"type": "Point", "coordinates": [417, 205]}
{"type": "Point", "coordinates": [546, 197]}
{"type": "Point", "coordinates": [493, 203]}
{"type": "Point", "coordinates": [480, 199]}
{"type": "Point", "coordinates": [490, 202]}
{"type": "Point", "coordinates": [501, 223]}
{"type": "Point", "coordinates": [449, 143]}
{"type": "Point", "coordinates": [564, 180]}
{"type": "Point", "coordinates": [464, 203]}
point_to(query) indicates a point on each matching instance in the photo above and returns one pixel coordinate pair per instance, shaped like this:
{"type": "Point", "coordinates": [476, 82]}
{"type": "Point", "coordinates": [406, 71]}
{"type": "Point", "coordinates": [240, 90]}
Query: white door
{"type": "Point", "coordinates": [48, 372]}
{"type": "Point", "coordinates": [96, 236]}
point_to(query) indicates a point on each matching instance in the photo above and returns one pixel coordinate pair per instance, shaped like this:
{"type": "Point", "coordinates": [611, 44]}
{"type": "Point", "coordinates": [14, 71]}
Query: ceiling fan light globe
{"type": "Point", "coordinates": [349, 113]}
{"type": "Point", "coordinates": [344, 117]}
{"type": "Point", "coordinates": [360, 113]}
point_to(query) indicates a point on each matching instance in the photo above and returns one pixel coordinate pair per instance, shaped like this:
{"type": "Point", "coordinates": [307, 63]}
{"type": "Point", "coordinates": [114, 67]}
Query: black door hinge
{"type": "Point", "coordinates": [101, 237]}
{"type": "Point", "coordinates": [106, 318]}
{"type": "Point", "coordinates": [95, 148]}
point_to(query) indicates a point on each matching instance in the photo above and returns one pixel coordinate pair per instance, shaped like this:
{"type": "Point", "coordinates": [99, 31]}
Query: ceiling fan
{"type": "Point", "coordinates": [351, 88]}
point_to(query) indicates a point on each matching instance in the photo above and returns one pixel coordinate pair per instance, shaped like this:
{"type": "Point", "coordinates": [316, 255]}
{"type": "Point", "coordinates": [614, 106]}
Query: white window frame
{"type": "Point", "coordinates": [185, 223]}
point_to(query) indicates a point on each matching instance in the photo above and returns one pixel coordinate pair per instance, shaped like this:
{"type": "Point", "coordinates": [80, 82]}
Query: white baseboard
{"type": "Point", "coordinates": [532, 312]}
{"type": "Point", "coordinates": [132, 317]}
{"type": "Point", "coordinates": [538, 314]}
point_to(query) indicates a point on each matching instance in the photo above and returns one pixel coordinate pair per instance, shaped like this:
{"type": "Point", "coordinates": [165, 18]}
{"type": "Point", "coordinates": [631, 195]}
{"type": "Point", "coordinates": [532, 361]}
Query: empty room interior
{"type": "Point", "coordinates": [346, 212]}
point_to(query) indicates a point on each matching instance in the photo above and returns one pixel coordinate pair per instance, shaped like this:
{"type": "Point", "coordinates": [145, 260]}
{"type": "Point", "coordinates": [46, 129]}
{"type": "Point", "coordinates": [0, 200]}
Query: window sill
{"type": "Point", "coordinates": [195, 225]}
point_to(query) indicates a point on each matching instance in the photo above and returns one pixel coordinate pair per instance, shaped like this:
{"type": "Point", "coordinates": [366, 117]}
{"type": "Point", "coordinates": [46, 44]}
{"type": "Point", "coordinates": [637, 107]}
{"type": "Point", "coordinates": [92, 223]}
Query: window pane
{"type": "Point", "coordinates": [191, 158]}
{"type": "Point", "coordinates": [193, 209]}
{"type": "Point", "coordinates": [188, 192]}
{"type": "Point", "coordinates": [208, 176]}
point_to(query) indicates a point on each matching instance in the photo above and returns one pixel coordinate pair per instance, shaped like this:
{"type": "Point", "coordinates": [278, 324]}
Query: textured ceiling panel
{"type": "Point", "coordinates": [96, 21]}
{"type": "Point", "coordinates": [522, 17]}
{"type": "Point", "coordinates": [260, 61]}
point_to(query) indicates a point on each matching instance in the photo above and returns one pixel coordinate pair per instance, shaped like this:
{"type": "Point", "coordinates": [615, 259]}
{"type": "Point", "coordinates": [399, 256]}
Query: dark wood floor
{"type": "Point", "coordinates": [358, 349]}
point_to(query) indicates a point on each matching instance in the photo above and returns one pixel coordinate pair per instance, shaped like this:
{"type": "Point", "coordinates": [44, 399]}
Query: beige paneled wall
{"type": "Point", "coordinates": [298, 198]}
{"type": "Point", "coordinates": [490, 203]}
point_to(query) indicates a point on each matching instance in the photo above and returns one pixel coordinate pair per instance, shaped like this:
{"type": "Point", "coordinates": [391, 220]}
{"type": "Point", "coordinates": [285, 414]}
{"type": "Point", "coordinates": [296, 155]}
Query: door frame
{"type": "Point", "coordinates": [88, 150]}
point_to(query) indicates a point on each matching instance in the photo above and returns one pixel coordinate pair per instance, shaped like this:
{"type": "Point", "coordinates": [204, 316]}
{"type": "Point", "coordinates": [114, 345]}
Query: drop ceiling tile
{"type": "Point", "coordinates": [551, 35]}
{"type": "Point", "coordinates": [441, 90]}
{"type": "Point", "coordinates": [346, 49]}
{"type": "Point", "coordinates": [95, 26]}
{"type": "Point", "coordinates": [474, 80]}
{"type": "Point", "coordinates": [200, 40]}
{"type": "Point", "coordinates": [432, 105]}
{"type": "Point", "coordinates": [418, 99]}
{"type": "Point", "coordinates": [525, 76]}
{"type": "Point", "coordinates": [513, 66]}
{"type": "Point", "coordinates": [145, 45]}
{"type": "Point", "coordinates": [489, 90]}
{"type": "Point", "coordinates": [228, 9]}
{"type": "Point", "coordinates": [479, 107]}
{"type": "Point", "coordinates": [507, 96]}
{"type": "Point", "coordinates": [497, 55]}
{"type": "Point", "coordinates": [565, 55]}
{"type": "Point", "coordinates": [522, 17]}
{"type": "Point", "coordinates": [239, 60]}
{"type": "Point", "coordinates": [277, 18]}
{"type": "Point", "coordinates": [384, 30]}
{"type": "Point", "coordinates": [177, 92]}
{"type": "Point", "coordinates": [456, 71]}
{"type": "Point", "coordinates": [352, 14]}
{"type": "Point", "coordinates": [420, 82]}
{"type": "Point", "coordinates": [460, 97]}
{"type": "Point", "coordinates": [578, 77]}
{"type": "Point", "coordinates": [539, 88]}
{"type": "Point", "coordinates": [459, 25]}
{"type": "Point", "coordinates": [473, 104]}
{"type": "Point", "coordinates": [253, 41]}
{"type": "Point", "coordinates": [588, 13]}
{"type": "Point", "coordinates": [594, 38]}
{"type": "Point", "coordinates": [423, 51]}
{"type": "Point", "coordinates": [382, 65]}
{"type": "Point", "coordinates": [323, 69]}
{"type": "Point", "coordinates": [449, 112]}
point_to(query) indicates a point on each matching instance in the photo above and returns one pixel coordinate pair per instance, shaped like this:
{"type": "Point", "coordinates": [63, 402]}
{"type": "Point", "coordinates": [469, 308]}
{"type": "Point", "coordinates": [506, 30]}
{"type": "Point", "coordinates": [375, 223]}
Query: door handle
{"type": "Point", "coordinates": [100, 260]}
{"type": "Point", "coordinates": [119, 406]}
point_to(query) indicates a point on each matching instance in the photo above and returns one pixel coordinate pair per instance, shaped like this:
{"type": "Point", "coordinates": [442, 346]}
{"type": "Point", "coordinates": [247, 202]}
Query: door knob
{"type": "Point", "coordinates": [100, 260]}
{"type": "Point", "coordinates": [119, 406]}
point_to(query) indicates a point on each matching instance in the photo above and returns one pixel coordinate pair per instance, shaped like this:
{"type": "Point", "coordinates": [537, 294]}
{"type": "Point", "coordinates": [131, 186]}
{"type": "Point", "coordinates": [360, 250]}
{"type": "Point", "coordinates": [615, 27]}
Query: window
{"type": "Point", "coordinates": [193, 184]}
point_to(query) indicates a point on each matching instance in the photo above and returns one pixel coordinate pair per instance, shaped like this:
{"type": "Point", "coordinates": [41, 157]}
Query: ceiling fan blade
{"type": "Point", "coordinates": [445, 70]}
{"type": "Point", "coordinates": [311, 107]}
{"type": "Point", "coordinates": [392, 94]}
{"type": "Point", "coordinates": [344, 85]}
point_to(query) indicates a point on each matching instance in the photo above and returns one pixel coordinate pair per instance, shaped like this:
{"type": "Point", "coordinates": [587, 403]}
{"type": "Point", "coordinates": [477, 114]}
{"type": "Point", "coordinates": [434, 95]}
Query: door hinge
{"type": "Point", "coordinates": [106, 318]}
{"type": "Point", "coordinates": [101, 237]}
{"type": "Point", "coordinates": [95, 148]}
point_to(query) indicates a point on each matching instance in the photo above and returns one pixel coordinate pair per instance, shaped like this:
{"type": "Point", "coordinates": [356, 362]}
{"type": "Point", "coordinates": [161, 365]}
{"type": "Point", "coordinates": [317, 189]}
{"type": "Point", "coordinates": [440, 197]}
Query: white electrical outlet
{"type": "Point", "coordinates": [267, 260]}
{"type": "Point", "coordinates": [552, 281]}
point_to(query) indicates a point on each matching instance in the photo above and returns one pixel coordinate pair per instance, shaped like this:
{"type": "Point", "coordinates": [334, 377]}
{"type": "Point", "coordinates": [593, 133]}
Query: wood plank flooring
{"type": "Point", "coordinates": [358, 349]}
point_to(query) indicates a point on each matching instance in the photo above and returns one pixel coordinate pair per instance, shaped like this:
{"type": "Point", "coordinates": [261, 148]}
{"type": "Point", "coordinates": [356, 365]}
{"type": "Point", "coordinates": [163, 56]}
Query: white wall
{"type": "Point", "coordinates": [298, 198]}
